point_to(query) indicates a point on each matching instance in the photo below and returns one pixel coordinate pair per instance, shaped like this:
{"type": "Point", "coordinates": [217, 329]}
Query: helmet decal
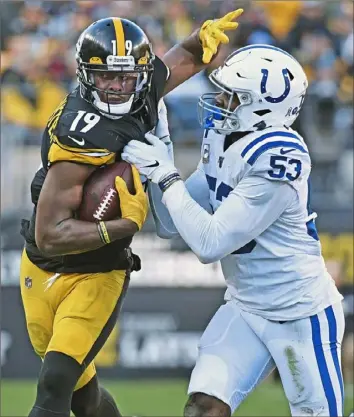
{"type": "Point", "coordinates": [118, 43]}
{"type": "Point", "coordinates": [95, 60]}
{"type": "Point", "coordinates": [286, 92]}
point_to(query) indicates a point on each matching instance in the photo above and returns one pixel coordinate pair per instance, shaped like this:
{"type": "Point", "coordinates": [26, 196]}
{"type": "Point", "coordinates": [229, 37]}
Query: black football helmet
{"type": "Point", "coordinates": [118, 46]}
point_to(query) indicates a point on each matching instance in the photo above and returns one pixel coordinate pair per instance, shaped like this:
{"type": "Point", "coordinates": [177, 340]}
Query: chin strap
{"type": "Point", "coordinates": [109, 109]}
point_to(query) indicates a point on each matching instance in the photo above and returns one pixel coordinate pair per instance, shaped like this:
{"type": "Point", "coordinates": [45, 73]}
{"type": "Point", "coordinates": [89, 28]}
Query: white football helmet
{"type": "Point", "coordinates": [270, 85]}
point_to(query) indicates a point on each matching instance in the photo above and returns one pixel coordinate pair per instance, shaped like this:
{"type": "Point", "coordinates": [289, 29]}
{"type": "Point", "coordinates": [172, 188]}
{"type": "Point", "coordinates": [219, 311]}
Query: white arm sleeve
{"type": "Point", "coordinates": [247, 211]}
{"type": "Point", "coordinates": [198, 189]}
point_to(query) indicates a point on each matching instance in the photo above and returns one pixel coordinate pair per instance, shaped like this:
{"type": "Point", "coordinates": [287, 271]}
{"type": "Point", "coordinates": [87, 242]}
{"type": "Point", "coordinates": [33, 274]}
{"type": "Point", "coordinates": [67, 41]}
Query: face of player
{"type": "Point", "coordinates": [223, 99]}
{"type": "Point", "coordinates": [115, 83]}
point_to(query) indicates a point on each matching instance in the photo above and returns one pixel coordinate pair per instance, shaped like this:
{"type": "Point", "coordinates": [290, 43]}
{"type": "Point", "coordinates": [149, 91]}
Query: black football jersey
{"type": "Point", "coordinates": [77, 132]}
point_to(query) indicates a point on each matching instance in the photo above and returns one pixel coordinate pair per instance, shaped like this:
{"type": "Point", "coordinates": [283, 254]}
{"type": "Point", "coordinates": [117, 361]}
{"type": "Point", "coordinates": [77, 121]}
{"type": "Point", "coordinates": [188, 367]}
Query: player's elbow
{"type": "Point", "coordinates": [45, 246]}
{"type": "Point", "coordinates": [47, 242]}
{"type": "Point", "coordinates": [162, 235]}
{"type": "Point", "coordinates": [166, 234]}
{"type": "Point", "coordinates": [206, 257]}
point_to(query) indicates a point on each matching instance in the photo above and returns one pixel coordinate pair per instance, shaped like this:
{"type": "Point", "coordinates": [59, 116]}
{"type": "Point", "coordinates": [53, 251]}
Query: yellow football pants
{"type": "Point", "coordinates": [75, 315]}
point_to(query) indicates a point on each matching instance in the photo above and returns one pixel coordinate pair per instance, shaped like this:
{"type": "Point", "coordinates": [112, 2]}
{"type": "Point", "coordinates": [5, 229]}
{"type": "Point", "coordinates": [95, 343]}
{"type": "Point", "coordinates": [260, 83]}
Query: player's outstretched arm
{"type": "Point", "coordinates": [57, 231]}
{"type": "Point", "coordinates": [197, 51]}
{"type": "Point", "coordinates": [246, 213]}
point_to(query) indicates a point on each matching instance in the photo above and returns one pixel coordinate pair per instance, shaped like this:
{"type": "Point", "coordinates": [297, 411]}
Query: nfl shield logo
{"type": "Point", "coordinates": [28, 282]}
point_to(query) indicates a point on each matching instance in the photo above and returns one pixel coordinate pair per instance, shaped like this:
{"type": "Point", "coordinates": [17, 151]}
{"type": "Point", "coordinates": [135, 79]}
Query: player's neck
{"type": "Point", "coordinates": [232, 138]}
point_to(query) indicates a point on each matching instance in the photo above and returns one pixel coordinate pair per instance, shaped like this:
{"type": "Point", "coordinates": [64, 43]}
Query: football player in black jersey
{"type": "Point", "coordinates": [80, 270]}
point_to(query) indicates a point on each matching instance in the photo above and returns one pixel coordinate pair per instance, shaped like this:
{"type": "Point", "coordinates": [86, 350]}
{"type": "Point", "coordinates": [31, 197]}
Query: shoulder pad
{"type": "Point", "coordinates": [84, 123]}
{"type": "Point", "coordinates": [77, 149]}
{"type": "Point", "coordinates": [278, 155]}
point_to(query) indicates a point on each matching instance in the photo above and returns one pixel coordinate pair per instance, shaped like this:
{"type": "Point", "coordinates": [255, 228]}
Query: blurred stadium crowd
{"type": "Point", "coordinates": [38, 69]}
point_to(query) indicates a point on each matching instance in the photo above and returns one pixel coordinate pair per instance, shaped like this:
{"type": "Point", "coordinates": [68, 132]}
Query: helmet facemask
{"type": "Point", "coordinates": [227, 119]}
{"type": "Point", "coordinates": [115, 103]}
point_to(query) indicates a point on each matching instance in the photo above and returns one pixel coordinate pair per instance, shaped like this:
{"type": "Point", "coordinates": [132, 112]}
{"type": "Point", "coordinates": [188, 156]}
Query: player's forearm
{"type": "Point", "coordinates": [213, 236]}
{"type": "Point", "coordinates": [243, 216]}
{"type": "Point", "coordinates": [184, 60]}
{"type": "Point", "coordinates": [75, 236]}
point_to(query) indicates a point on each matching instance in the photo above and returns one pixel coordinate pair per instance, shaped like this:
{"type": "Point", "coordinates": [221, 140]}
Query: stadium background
{"type": "Point", "coordinates": [149, 356]}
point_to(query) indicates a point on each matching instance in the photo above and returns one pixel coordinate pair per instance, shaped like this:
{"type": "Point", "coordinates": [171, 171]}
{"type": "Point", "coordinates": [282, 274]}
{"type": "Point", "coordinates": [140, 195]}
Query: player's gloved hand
{"type": "Point", "coordinates": [133, 206]}
{"type": "Point", "coordinates": [153, 160]}
{"type": "Point", "coordinates": [212, 33]}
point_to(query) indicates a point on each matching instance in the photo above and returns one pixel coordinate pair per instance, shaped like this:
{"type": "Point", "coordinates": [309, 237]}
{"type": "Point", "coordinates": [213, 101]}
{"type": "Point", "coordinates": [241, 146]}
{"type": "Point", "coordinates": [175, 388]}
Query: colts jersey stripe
{"type": "Point", "coordinates": [322, 366]}
{"type": "Point", "coordinates": [271, 145]}
{"type": "Point", "coordinates": [211, 182]}
{"type": "Point", "coordinates": [332, 324]}
{"type": "Point", "coordinates": [120, 37]}
{"type": "Point", "coordinates": [267, 136]}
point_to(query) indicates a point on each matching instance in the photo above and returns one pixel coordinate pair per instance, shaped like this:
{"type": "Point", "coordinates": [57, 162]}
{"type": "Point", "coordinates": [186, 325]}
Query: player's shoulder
{"type": "Point", "coordinates": [80, 124]}
{"type": "Point", "coordinates": [76, 123]}
{"type": "Point", "coordinates": [77, 132]}
{"type": "Point", "coordinates": [277, 153]}
{"type": "Point", "coordinates": [277, 141]}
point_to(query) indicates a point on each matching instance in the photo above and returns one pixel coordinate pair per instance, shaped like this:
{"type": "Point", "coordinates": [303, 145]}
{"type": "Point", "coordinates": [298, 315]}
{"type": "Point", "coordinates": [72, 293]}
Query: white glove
{"type": "Point", "coordinates": [153, 160]}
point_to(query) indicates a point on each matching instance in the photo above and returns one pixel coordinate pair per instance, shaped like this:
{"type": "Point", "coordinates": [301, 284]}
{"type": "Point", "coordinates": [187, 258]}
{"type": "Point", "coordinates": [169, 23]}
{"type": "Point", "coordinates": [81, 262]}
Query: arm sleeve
{"type": "Point", "coordinates": [159, 78]}
{"type": "Point", "coordinates": [247, 211]}
{"type": "Point", "coordinates": [198, 190]}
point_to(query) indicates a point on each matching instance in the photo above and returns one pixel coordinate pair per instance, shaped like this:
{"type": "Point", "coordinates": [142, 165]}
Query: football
{"type": "Point", "coordinates": [100, 200]}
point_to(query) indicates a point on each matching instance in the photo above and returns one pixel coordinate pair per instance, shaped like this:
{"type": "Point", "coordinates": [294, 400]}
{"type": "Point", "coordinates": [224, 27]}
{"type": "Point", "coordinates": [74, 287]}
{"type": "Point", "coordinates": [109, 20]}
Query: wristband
{"type": "Point", "coordinates": [102, 230]}
{"type": "Point", "coordinates": [169, 180]}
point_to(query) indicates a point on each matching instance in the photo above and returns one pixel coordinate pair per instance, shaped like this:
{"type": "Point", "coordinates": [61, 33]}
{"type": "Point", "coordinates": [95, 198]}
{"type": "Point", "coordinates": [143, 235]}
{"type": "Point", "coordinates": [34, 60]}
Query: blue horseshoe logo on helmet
{"type": "Point", "coordinates": [281, 98]}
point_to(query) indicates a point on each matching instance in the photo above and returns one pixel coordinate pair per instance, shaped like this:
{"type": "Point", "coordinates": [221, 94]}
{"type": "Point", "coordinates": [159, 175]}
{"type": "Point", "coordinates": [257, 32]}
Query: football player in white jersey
{"type": "Point", "coordinates": [247, 205]}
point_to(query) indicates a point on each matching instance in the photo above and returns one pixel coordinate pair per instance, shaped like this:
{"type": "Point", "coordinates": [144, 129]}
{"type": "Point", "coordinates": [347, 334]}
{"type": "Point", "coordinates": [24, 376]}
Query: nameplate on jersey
{"type": "Point", "coordinates": [206, 153]}
{"type": "Point", "coordinates": [126, 61]}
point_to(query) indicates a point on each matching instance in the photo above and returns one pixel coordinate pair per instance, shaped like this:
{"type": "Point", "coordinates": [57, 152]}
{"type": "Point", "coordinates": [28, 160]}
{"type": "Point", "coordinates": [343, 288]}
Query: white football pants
{"type": "Point", "coordinates": [238, 350]}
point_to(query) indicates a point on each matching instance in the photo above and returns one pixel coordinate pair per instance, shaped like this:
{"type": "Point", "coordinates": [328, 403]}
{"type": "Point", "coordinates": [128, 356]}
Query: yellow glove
{"type": "Point", "coordinates": [212, 33]}
{"type": "Point", "coordinates": [133, 206]}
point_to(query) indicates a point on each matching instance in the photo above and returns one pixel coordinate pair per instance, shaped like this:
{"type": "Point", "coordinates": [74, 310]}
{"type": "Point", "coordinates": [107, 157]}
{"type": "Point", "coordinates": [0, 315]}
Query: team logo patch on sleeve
{"type": "Point", "coordinates": [206, 153]}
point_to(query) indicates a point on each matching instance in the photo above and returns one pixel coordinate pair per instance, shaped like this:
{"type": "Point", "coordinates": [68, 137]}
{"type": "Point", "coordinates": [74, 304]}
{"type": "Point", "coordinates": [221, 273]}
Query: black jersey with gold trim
{"type": "Point", "coordinates": [77, 132]}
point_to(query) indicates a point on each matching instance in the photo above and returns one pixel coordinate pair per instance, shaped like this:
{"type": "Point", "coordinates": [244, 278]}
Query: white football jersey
{"type": "Point", "coordinates": [279, 274]}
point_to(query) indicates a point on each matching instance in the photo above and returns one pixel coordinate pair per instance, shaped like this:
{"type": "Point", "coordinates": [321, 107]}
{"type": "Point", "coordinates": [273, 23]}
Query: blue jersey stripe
{"type": "Point", "coordinates": [322, 366]}
{"type": "Point", "coordinates": [277, 144]}
{"type": "Point", "coordinates": [211, 182]}
{"type": "Point", "coordinates": [266, 136]}
{"type": "Point", "coordinates": [310, 225]}
{"type": "Point", "coordinates": [332, 325]}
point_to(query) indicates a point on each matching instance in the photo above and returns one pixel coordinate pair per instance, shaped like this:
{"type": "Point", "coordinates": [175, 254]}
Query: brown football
{"type": "Point", "coordinates": [100, 200]}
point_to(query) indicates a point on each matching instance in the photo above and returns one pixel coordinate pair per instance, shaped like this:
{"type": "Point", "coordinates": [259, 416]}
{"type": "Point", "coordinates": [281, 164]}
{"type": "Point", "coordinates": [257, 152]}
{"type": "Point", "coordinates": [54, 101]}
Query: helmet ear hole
{"type": "Point", "coordinates": [260, 126]}
{"type": "Point", "coordinates": [262, 112]}
{"type": "Point", "coordinates": [291, 76]}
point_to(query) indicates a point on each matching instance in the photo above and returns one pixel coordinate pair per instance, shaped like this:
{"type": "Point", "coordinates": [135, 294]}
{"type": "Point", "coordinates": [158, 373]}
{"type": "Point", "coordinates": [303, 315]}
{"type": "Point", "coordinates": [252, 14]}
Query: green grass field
{"type": "Point", "coordinates": [156, 398]}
